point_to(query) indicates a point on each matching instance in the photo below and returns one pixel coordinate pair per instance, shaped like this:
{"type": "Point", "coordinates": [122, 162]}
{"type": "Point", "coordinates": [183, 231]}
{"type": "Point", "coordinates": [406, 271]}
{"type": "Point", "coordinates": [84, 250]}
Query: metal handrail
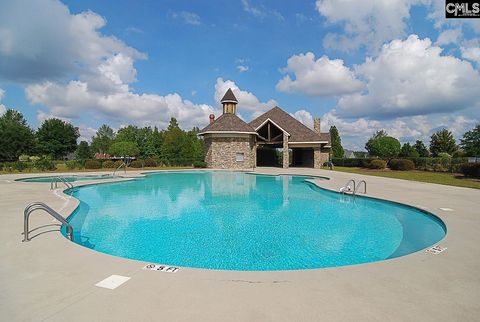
{"type": "Point", "coordinates": [358, 187]}
{"type": "Point", "coordinates": [68, 184]}
{"type": "Point", "coordinates": [42, 206]}
{"type": "Point", "coordinates": [344, 188]}
{"type": "Point", "coordinates": [121, 165]}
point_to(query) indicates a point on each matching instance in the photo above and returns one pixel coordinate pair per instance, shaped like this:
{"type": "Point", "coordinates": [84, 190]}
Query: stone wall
{"type": "Point", "coordinates": [221, 151]}
{"type": "Point", "coordinates": [320, 156]}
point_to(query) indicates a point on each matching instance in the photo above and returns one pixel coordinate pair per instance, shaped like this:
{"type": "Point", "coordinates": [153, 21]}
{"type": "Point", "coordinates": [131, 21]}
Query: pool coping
{"type": "Point", "coordinates": [410, 277]}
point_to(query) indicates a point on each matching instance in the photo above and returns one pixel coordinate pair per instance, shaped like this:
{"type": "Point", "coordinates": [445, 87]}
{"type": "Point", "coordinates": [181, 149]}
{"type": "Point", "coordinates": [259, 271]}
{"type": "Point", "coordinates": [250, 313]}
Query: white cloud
{"type": "Point", "coordinates": [305, 117]}
{"type": "Point", "coordinates": [247, 101]}
{"type": "Point", "coordinates": [355, 133]}
{"type": "Point", "coordinates": [242, 68]}
{"type": "Point", "coordinates": [255, 11]}
{"type": "Point", "coordinates": [189, 18]}
{"type": "Point", "coordinates": [411, 77]}
{"type": "Point", "coordinates": [321, 77]}
{"type": "Point", "coordinates": [101, 68]}
{"type": "Point", "coordinates": [36, 47]}
{"type": "Point", "coordinates": [365, 23]}
{"type": "Point", "coordinates": [437, 14]}
{"type": "Point", "coordinates": [86, 133]}
{"type": "Point", "coordinates": [3, 109]}
{"type": "Point", "coordinates": [471, 50]}
{"type": "Point", "coordinates": [449, 36]}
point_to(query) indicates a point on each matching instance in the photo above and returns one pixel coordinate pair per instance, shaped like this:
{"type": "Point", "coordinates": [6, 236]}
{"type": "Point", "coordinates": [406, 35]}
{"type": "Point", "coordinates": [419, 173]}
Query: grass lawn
{"type": "Point", "coordinates": [450, 179]}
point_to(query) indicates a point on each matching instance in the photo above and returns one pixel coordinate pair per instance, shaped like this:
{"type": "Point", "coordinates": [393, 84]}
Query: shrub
{"type": "Point", "coordinates": [150, 163]}
{"type": "Point", "coordinates": [19, 166]}
{"type": "Point", "coordinates": [93, 164]}
{"type": "Point", "coordinates": [34, 158]}
{"type": "Point", "coordinates": [71, 165]}
{"type": "Point", "coordinates": [199, 164]}
{"type": "Point", "coordinates": [354, 162]}
{"type": "Point", "coordinates": [23, 158]}
{"type": "Point", "coordinates": [136, 164]}
{"type": "Point", "coordinates": [470, 169]}
{"type": "Point", "coordinates": [378, 164]}
{"type": "Point", "coordinates": [44, 164]}
{"type": "Point", "coordinates": [109, 164]}
{"type": "Point", "coordinates": [401, 164]}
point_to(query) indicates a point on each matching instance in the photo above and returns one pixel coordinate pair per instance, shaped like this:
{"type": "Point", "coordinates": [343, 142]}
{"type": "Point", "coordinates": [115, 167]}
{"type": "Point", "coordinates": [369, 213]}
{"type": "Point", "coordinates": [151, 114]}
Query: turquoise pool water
{"type": "Point", "coordinates": [238, 221]}
{"type": "Point", "coordinates": [70, 178]}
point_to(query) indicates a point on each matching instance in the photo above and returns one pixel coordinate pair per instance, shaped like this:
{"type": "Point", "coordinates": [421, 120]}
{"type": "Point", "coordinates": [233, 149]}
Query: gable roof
{"type": "Point", "coordinates": [229, 97]}
{"type": "Point", "coordinates": [297, 130]}
{"type": "Point", "coordinates": [228, 123]}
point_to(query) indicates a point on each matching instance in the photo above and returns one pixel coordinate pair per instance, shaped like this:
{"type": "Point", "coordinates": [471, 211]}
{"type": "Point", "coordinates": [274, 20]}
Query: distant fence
{"type": "Point", "coordinates": [424, 164]}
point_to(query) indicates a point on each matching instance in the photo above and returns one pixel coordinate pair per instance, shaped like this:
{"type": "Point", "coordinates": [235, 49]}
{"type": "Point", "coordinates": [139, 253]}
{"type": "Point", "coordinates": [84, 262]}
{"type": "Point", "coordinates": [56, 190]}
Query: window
{"type": "Point", "coordinates": [239, 156]}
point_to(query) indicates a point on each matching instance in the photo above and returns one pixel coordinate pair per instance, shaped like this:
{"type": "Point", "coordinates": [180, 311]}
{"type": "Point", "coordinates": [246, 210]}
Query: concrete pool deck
{"type": "Point", "coordinates": [53, 279]}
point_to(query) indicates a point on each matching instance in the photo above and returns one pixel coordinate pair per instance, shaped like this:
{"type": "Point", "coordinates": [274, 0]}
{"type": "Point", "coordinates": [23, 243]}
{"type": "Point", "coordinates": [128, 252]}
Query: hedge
{"type": "Point", "coordinates": [470, 169]}
{"type": "Point", "coordinates": [354, 162]}
{"type": "Point", "coordinates": [401, 164]}
{"type": "Point", "coordinates": [93, 164]}
{"type": "Point", "coordinates": [151, 163]}
{"type": "Point", "coordinates": [378, 164]}
{"type": "Point", "coordinates": [199, 164]}
{"type": "Point", "coordinates": [445, 164]}
{"type": "Point", "coordinates": [136, 164]}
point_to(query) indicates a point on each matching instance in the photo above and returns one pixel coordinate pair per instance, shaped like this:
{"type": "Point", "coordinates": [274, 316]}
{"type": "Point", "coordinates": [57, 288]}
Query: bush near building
{"type": "Point", "coordinates": [401, 164]}
{"type": "Point", "coordinates": [470, 169]}
{"type": "Point", "coordinates": [378, 164]}
{"type": "Point", "coordinates": [93, 164]}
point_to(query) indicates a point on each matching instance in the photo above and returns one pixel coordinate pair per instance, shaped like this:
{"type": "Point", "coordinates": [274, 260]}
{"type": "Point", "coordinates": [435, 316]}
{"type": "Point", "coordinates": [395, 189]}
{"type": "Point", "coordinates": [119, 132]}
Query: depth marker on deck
{"type": "Point", "coordinates": [435, 250]}
{"type": "Point", "coordinates": [161, 268]}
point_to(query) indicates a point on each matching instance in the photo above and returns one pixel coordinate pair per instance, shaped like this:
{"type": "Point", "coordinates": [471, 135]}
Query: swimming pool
{"type": "Point", "coordinates": [70, 178]}
{"type": "Point", "coordinates": [239, 221]}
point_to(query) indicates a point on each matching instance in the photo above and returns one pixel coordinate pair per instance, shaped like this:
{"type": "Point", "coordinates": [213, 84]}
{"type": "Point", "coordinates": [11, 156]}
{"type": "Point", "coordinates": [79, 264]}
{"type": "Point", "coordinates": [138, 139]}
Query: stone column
{"type": "Point", "coordinates": [317, 157]}
{"type": "Point", "coordinates": [285, 151]}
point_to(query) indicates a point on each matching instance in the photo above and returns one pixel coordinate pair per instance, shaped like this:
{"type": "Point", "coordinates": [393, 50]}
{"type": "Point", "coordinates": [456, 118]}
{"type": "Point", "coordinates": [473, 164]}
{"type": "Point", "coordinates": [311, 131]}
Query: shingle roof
{"type": "Point", "coordinates": [229, 97]}
{"type": "Point", "coordinates": [228, 122]}
{"type": "Point", "coordinates": [297, 130]}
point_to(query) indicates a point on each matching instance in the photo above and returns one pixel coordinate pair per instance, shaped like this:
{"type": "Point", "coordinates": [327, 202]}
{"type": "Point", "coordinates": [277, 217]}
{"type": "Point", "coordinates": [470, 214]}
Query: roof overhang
{"type": "Point", "coordinates": [229, 101]}
{"type": "Point", "coordinates": [226, 132]}
{"type": "Point", "coordinates": [308, 142]}
{"type": "Point", "coordinates": [265, 122]}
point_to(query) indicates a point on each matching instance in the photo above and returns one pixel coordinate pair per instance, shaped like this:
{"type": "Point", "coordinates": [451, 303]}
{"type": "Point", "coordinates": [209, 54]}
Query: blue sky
{"type": "Point", "coordinates": [394, 65]}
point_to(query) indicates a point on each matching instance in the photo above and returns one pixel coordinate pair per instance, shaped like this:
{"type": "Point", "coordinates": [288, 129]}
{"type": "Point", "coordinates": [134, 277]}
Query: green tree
{"type": "Point", "coordinates": [376, 135]}
{"type": "Point", "coordinates": [384, 147]}
{"type": "Point", "coordinates": [103, 139]}
{"type": "Point", "coordinates": [174, 146]}
{"type": "Point", "coordinates": [470, 142]}
{"type": "Point", "coordinates": [57, 138]}
{"type": "Point", "coordinates": [83, 151]}
{"type": "Point", "coordinates": [124, 149]}
{"type": "Point", "coordinates": [421, 149]}
{"type": "Point", "coordinates": [337, 149]}
{"type": "Point", "coordinates": [408, 151]}
{"type": "Point", "coordinates": [16, 137]}
{"type": "Point", "coordinates": [442, 141]}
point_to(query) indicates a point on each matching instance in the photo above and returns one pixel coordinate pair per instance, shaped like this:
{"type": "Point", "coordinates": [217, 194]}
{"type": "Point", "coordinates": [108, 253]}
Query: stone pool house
{"type": "Point", "coordinates": [231, 143]}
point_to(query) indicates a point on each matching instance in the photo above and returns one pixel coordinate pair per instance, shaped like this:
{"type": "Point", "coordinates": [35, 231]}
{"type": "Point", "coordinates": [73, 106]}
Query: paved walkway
{"type": "Point", "coordinates": [52, 279]}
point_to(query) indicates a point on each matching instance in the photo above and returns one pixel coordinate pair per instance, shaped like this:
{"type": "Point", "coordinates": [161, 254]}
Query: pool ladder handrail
{"type": "Point", "coordinates": [124, 165]}
{"type": "Point", "coordinates": [358, 187]}
{"type": "Point", "coordinates": [42, 206]}
{"type": "Point", "coordinates": [56, 179]}
{"type": "Point", "coordinates": [343, 189]}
